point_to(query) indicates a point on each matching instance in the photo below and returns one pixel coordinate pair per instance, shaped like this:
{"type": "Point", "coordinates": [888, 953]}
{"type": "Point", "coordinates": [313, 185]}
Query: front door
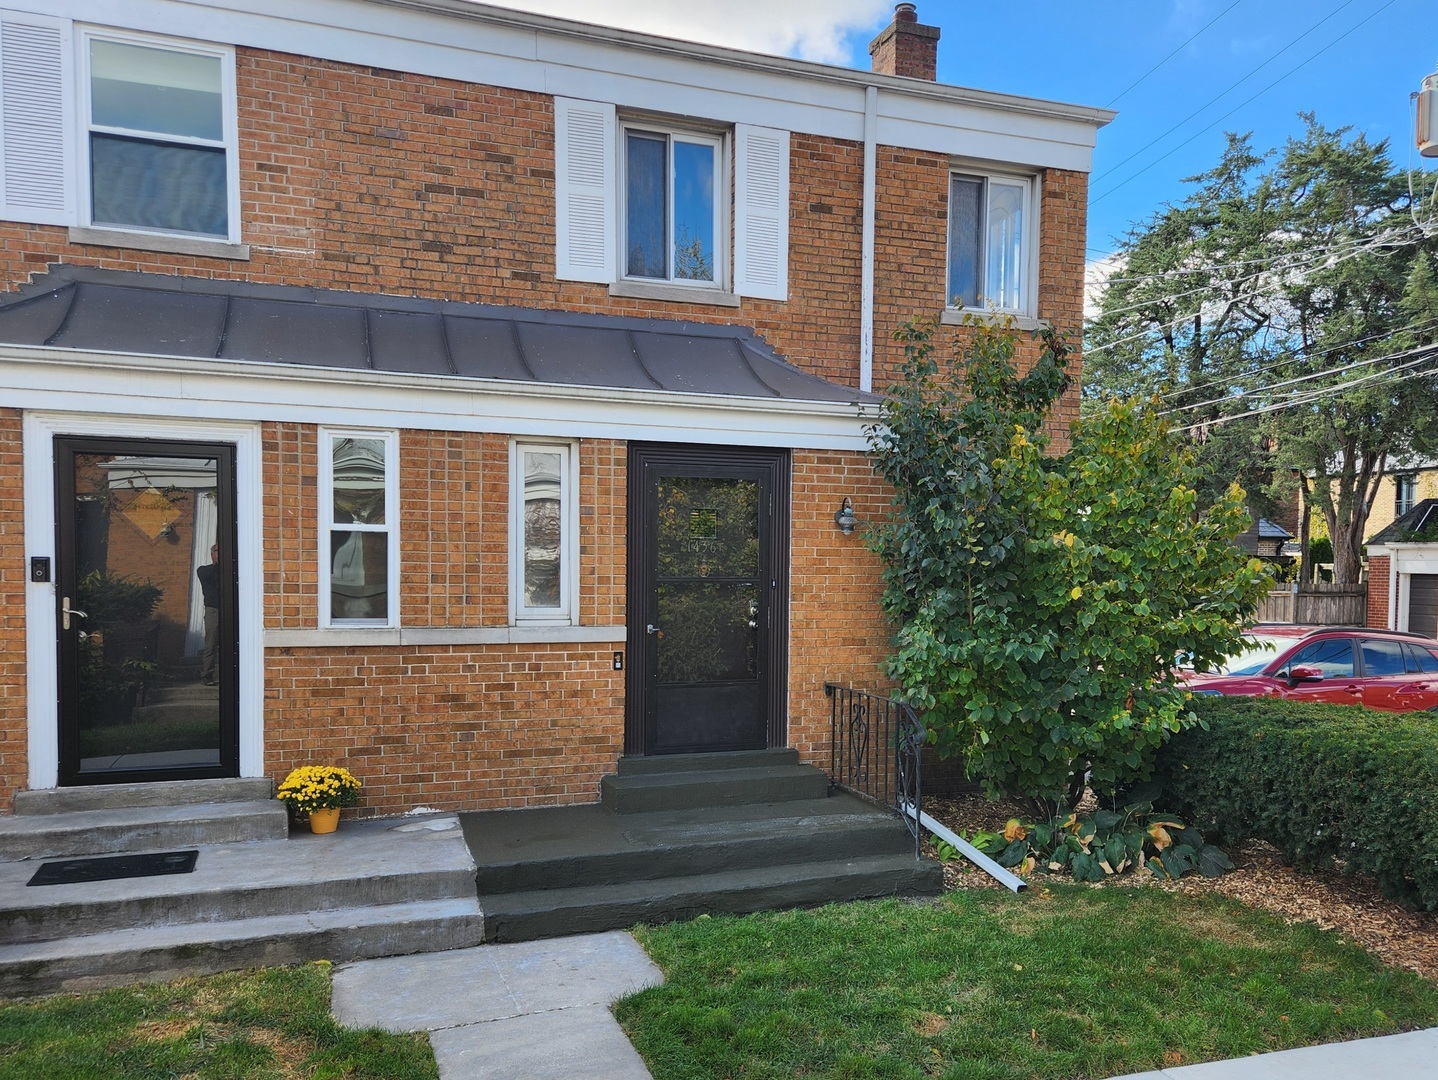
{"type": "Point", "coordinates": [708, 544]}
{"type": "Point", "coordinates": [145, 588]}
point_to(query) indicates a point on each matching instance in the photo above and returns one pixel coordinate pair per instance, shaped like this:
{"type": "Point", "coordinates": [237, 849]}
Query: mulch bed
{"type": "Point", "coordinates": [1352, 906]}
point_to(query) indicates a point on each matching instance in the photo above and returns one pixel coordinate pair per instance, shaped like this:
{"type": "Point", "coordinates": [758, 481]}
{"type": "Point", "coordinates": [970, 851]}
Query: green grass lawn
{"type": "Point", "coordinates": [247, 1025]}
{"type": "Point", "coordinates": [1064, 982]}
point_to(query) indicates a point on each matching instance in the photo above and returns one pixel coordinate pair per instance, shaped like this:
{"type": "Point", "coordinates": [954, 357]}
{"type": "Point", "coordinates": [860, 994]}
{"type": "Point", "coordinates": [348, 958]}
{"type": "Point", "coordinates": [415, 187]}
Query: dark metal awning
{"type": "Point", "coordinates": [204, 319]}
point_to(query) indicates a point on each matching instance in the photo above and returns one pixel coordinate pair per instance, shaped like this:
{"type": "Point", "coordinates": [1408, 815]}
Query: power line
{"type": "Point", "coordinates": [1175, 52]}
{"type": "Point", "coordinates": [1240, 105]}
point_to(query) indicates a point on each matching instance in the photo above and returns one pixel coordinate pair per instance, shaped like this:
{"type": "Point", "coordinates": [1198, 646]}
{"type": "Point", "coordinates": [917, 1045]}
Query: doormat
{"type": "Point", "coordinates": [109, 867]}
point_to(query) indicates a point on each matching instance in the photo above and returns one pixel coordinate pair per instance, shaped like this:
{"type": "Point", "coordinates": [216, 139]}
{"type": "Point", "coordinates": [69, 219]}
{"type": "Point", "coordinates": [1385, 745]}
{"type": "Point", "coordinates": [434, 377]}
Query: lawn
{"type": "Point", "coordinates": [1068, 981]}
{"type": "Point", "coordinates": [269, 1024]}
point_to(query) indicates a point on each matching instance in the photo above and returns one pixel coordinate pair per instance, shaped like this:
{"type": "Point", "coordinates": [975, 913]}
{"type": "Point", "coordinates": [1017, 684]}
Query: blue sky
{"type": "Point", "coordinates": [1370, 56]}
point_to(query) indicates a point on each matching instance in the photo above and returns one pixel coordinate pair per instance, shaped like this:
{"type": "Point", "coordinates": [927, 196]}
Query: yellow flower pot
{"type": "Point", "coordinates": [325, 821]}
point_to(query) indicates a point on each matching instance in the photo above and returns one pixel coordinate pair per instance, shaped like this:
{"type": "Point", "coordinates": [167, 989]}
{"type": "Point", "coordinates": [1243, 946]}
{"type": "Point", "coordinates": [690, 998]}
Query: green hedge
{"type": "Point", "coordinates": [1319, 782]}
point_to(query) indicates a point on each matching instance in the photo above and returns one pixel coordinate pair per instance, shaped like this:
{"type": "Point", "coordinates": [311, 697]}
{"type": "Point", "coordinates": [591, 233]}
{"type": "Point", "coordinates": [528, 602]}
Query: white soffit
{"type": "Point", "coordinates": [493, 46]}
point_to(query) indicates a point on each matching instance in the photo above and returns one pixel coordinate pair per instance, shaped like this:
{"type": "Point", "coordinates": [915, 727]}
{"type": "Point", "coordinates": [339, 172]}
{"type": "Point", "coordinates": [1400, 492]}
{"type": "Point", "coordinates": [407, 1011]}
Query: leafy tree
{"type": "Point", "coordinates": [1042, 599]}
{"type": "Point", "coordinates": [1275, 309]}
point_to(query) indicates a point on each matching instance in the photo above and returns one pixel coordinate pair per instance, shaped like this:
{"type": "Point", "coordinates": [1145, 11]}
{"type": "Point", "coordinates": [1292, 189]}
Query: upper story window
{"type": "Point", "coordinates": [159, 136]}
{"type": "Point", "coordinates": [673, 191]}
{"type": "Point", "coordinates": [1405, 493]}
{"type": "Point", "coordinates": [990, 242]}
{"type": "Point", "coordinates": [544, 551]}
{"type": "Point", "coordinates": [359, 541]}
{"type": "Point", "coordinates": [644, 205]}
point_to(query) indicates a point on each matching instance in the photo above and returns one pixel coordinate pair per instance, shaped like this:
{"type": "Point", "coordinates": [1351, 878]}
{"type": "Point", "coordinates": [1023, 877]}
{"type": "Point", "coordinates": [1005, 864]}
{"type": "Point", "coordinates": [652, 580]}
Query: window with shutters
{"type": "Point", "coordinates": [673, 192]}
{"type": "Point", "coordinates": [641, 204]}
{"type": "Point", "coordinates": [159, 149]}
{"type": "Point", "coordinates": [991, 235]}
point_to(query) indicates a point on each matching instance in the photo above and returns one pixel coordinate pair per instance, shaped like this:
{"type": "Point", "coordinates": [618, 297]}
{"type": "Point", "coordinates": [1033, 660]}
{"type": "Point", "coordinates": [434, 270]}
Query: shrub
{"type": "Point", "coordinates": [1319, 782]}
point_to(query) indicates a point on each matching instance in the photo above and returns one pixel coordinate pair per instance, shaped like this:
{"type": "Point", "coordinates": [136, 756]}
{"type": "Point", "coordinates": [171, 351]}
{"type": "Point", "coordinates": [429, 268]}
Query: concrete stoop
{"type": "Point", "coordinates": [553, 871]}
{"type": "Point", "coordinates": [375, 888]}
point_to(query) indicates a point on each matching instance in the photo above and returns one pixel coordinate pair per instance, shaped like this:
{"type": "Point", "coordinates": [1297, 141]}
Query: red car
{"type": "Point", "coordinates": [1344, 665]}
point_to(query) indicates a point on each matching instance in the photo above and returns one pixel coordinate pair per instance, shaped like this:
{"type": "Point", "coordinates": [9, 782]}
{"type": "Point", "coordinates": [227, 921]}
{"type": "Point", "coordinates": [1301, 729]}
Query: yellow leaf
{"type": "Point", "coordinates": [1013, 830]}
{"type": "Point", "coordinates": [1160, 836]}
{"type": "Point", "coordinates": [1075, 593]}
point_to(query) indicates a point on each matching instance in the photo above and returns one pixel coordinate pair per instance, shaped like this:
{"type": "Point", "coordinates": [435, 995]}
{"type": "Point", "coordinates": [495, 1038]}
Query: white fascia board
{"type": "Point", "coordinates": [109, 383]}
{"type": "Point", "coordinates": [492, 46]}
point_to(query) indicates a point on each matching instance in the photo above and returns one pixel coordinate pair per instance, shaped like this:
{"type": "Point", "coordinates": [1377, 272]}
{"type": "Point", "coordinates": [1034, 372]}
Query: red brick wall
{"type": "Point", "coordinates": [1378, 590]}
{"type": "Point", "coordinates": [14, 758]}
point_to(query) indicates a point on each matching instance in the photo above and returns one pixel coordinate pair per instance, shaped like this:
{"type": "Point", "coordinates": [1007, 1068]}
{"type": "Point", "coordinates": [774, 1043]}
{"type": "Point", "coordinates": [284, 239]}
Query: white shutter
{"type": "Point", "coordinates": [584, 191]}
{"type": "Point", "coordinates": [37, 120]}
{"type": "Point", "coordinates": [761, 208]}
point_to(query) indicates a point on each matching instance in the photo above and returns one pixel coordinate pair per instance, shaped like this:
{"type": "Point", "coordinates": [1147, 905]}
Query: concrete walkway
{"type": "Point", "coordinates": [537, 1010]}
{"type": "Point", "coordinates": [1410, 1056]}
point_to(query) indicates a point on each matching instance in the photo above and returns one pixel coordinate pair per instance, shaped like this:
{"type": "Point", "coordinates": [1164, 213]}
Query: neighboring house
{"type": "Point", "coordinates": [1264, 539]}
{"type": "Point", "coordinates": [516, 367]}
{"type": "Point", "coordinates": [1403, 571]}
{"type": "Point", "coordinates": [1404, 485]}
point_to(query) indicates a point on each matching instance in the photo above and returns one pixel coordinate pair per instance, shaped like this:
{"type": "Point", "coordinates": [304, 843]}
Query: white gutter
{"type": "Point", "coordinates": [866, 273]}
{"type": "Point", "coordinates": [1010, 881]}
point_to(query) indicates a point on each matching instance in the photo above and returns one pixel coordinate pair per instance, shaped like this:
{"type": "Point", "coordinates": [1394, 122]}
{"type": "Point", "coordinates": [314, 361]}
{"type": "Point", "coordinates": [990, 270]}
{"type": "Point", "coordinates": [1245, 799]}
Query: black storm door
{"type": "Point", "coordinates": [708, 543]}
{"type": "Point", "coordinates": [145, 594]}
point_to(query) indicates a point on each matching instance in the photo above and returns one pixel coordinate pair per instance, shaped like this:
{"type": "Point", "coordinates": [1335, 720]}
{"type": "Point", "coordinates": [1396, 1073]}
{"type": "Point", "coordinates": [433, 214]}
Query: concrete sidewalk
{"type": "Point", "coordinates": [537, 1010]}
{"type": "Point", "coordinates": [1410, 1056]}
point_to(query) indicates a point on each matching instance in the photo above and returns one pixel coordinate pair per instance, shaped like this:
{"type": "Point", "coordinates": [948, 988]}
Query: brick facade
{"type": "Point", "coordinates": [380, 181]}
{"type": "Point", "coordinates": [1378, 567]}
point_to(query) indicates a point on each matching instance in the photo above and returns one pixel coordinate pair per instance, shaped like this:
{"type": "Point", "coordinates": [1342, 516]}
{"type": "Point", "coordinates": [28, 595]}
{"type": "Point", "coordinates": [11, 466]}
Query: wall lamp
{"type": "Point", "coordinates": [844, 517]}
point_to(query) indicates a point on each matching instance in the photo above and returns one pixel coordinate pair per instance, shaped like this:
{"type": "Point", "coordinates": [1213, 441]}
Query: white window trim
{"type": "Point", "coordinates": [1029, 275]}
{"type": "Point", "coordinates": [229, 109]}
{"type": "Point", "coordinates": [723, 170]}
{"type": "Point", "coordinates": [568, 612]}
{"type": "Point", "coordinates": [326, 512]}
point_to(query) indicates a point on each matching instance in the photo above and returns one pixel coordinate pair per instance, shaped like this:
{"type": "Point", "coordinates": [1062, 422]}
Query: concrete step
{"type": "Point", "coordinates": [679, 851]}
{"type": "Point", "coordinates": [168, 793]}
{"type": "Point", "coordinates": [140, 828]}
{"type": "Point", "coordinates": [685, 789]}
{"type": "Point", "coordinates": [741, 759]}
{"type": "Point", "coordinates": [246, 881]}
{"type": "Point", "coordinates": [160, 953]}
{"type": "Point", "coordinates": [524, 916]}
{"type": "Point", "coordinates": [375, 888]}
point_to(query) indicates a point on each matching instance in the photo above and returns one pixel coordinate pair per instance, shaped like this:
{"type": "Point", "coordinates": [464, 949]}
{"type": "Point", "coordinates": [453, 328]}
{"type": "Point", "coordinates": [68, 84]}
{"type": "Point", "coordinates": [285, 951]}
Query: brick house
{"type": "Point", "coordinates": [514, 370]}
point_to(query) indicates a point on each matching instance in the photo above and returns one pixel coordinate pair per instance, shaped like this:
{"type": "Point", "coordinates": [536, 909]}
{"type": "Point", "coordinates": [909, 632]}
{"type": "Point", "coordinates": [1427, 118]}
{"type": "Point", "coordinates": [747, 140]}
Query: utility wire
{"type": "Point", "coordinates": [1171, 55]}
{"type": "Point", "coordinates": [1105, 194]}
{"type": "Point", "coordinates": [1223, 94]}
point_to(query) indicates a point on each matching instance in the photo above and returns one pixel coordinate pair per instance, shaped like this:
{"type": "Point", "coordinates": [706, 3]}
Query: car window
{"type": "Point", "coordinates": [1257, 652]}
{"type": "Point", "coordinates": [1332, 656]}
{"type": "Point", "coordinates": [1421, 659]}
{"type": "Point", "coordinates": [1382, 657]}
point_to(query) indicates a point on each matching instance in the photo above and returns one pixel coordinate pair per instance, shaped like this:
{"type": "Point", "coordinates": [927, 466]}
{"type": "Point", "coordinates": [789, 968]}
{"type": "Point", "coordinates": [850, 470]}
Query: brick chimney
{"type": "Point", "coordinates": [907, 47]}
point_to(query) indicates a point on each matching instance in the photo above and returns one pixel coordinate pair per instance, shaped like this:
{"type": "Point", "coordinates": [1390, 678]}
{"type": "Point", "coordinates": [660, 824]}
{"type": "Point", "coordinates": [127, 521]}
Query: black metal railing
{"type": "Point", "coordinates": [876, 750]}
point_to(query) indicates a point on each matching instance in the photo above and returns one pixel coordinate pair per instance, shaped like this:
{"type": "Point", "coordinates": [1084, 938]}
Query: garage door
{"type": "Point", "coordinates": [1423, 604]}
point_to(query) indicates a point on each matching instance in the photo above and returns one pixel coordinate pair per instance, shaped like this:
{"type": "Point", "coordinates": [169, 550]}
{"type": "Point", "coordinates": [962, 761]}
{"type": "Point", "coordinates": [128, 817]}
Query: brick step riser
{"type": "Point", "coordinates": [64, 842]}
{"type": "Point", "coordinates": [502, 926]}
{"type": "Point", "coordinates": [872, 838]}
{"type": "Point", "coordinates": [358, 940]}
{"type": "Point", "coordinates": [55, 921]}
{"type": "Point", "coordinates": [710, 790]}
{"type": "Point", "coordinates": [114, 796]}
{"type": "Point", "coordinates": [676, 763]}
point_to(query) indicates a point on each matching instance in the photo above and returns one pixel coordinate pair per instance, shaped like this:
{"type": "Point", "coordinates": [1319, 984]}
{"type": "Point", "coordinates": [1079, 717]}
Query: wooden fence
{"type": "Point", "coordinates": [1321, 604]}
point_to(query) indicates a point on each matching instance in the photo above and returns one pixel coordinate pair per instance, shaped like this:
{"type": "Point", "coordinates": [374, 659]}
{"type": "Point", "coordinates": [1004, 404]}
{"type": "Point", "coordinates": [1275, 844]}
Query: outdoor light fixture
{"type": "Point", "coordinates": [844, 517]}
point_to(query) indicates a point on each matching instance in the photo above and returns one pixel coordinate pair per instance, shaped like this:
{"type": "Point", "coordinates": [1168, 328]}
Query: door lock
{"type": "Point", "coordinates": [652, 629]}
{"type": "Point", "coordinates": [66, 611]}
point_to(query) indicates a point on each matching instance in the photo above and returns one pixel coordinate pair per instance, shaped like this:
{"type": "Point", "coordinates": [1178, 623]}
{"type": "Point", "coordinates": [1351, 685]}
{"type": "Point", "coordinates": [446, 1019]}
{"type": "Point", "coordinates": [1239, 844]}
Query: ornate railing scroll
{"type": "Point", "coordinates": [876, 750]}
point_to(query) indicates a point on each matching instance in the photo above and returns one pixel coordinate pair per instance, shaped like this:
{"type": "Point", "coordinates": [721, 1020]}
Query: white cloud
{"type": "Point", "coordinates": [807, 29]}
{"type": "Point", "coordinates": [1096, 273]}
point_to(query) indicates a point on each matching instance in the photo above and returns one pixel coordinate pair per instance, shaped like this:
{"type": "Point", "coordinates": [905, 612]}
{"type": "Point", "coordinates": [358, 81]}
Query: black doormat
{"type": "Point", "coordinates": [109, 867]}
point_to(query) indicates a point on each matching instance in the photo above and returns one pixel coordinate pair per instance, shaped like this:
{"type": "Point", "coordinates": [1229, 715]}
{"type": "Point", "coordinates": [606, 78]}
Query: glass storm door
{"type": "Point", "coordinates": [711, 621]}
{"type": "Point", "coordinates": [145, 588]}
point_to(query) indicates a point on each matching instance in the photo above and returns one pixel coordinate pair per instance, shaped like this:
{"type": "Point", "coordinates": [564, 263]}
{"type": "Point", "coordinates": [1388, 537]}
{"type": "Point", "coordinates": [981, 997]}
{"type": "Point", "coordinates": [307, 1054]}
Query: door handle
{"type": "Point", "coordinates": [652, 629]}
{"type": "Point", "coordinates": [1356, 691]}
{"type": "Point", "coordinates": [66, 611]}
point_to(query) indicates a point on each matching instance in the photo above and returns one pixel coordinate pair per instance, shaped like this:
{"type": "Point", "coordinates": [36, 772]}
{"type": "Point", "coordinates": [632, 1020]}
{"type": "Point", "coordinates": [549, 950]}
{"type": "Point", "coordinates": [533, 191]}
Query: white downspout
{"type": "Point", "coordinates": [1393, 590]}
{"type": "Point", "coordinates": [866, 273]}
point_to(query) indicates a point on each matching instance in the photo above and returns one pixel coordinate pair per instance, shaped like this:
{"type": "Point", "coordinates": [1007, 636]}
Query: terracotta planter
{"type": "Point", "coordinates": [325, 821]}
